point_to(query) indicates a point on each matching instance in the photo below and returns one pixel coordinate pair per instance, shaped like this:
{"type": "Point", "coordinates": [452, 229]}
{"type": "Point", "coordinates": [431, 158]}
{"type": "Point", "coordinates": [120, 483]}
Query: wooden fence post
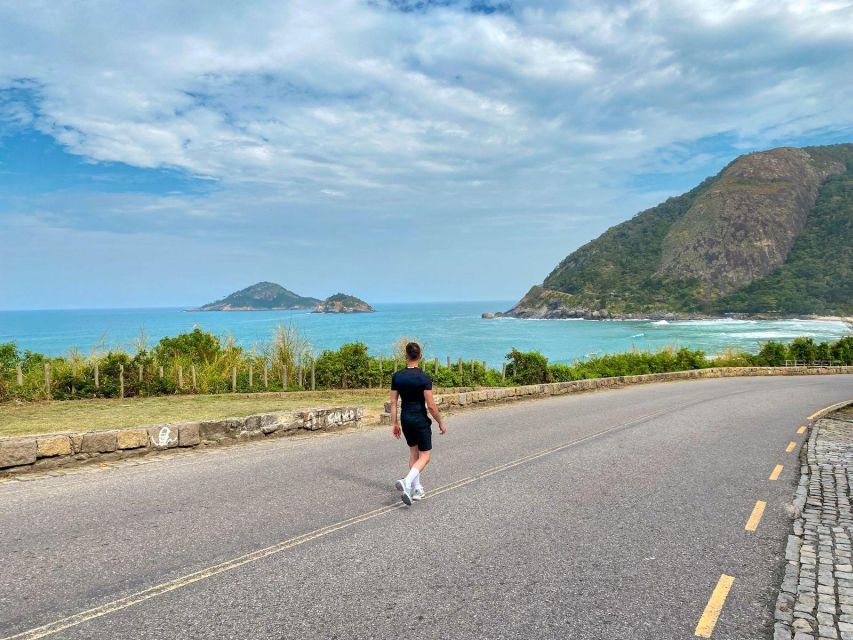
{"type": "Point", "coordinates": [192, 372]}
{"type": "Point", "coordinates": [251, 375]}
{"type": "Point", "coordinates": [141, 373]}
{"type": "Point", "coordinates": [266, 375]}
{"type": "Point", "coordinates": [180, 376]}
{"type": "Point", "coordinates": [284, 377]}
{"type": "Point", "coordinates": [448, 362]}
{"type": "Point", "coordinates": [121, 381]}
{"type": "Point", "coordinates": [300, 374]}
{"type": "Point", "coordinates": [435, 365]}
{"type": "Point", "coordinates": [460, 366]}
{"type": "Point", "coordinates": [20, 373]}
{"type": "Point", "coordinates": [503, 371]}
{"type": "Point", "coordinates": [47, 380]}
{"type": "Point", "coordinates": [485, 366]}
{"type": "Point", "coordinates": [313, 378]}
{"type": "Point", "coordinates": [161, 372]}
{"type": "Point", "coordinates": [472, 367]}
{"type": "Point", "coordinates": [234, 380]}
{"type": "Point", "coordinates": [97, 377]}
{"type": "Point", "coordinates": [73, 376]}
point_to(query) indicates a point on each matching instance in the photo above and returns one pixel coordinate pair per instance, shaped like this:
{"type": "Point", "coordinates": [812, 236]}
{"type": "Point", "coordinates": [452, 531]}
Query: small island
{"type": "Point", "coordinates": [263, 296]}
{"type": "Point", "coordinates": [343, 303]}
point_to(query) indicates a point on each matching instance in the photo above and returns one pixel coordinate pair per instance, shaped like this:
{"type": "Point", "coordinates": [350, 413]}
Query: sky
{"type": "Point", "coordinates": [167, 154]}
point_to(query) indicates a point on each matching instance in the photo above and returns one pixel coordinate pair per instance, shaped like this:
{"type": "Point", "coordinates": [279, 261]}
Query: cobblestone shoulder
{"type": "Point", "coordinates": [816, 597]}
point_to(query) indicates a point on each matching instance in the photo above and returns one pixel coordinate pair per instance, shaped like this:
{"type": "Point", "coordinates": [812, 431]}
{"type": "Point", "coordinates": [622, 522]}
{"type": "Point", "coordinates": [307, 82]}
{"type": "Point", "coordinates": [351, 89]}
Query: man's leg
{"type": "Point", "coordinates": [423, 460]}
{"type": "Point", "coordinates": [413, 477]}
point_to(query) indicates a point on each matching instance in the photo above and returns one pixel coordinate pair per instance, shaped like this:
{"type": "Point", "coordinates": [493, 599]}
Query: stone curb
{"type": "Point", "coordinates": [815, 600]}
{"type": "Point", "coordinates": [50, 451]}
{"type": "Point", "coordinates": [509, 394]}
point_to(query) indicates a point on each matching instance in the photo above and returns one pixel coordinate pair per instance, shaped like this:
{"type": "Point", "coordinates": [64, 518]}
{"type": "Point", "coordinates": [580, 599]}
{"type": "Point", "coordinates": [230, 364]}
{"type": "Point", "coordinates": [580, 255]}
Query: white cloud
{"type": "Point", "coordinates": [351, 108]}
{"type": "Point", "coordinates": [345, 94]}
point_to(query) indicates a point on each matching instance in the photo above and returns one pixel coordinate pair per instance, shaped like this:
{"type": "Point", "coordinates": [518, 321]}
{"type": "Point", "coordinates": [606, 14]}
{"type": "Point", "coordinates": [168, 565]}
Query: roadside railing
{"type": "Point", "coordinates": [813, 363]}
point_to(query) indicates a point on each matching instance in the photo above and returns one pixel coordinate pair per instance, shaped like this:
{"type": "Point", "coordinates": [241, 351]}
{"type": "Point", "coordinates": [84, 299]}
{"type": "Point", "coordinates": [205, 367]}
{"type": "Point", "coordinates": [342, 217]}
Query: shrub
{"type": "Point", "coordinates": [529, 367]}
{"type": "Point", "coordinates": [348, 367]}
{"type": "Point", "coordinates": [8, 355]}
{"type": "Point", "coordinates": [198, 346]}
{"type": "Point", "coordinates": [562, 373]}
{"type": "Point", "coordinates": [843, 350]}
{"type": "Point", "coordinates": [772, 354]}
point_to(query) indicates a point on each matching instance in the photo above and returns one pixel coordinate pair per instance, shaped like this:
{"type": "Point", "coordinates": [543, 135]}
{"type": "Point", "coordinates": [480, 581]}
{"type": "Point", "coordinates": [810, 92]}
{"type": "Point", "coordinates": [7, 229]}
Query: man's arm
{"type": "Point", "coordinates": [395, 430]}
{"type": "Point", "coordinates": [433, 409]}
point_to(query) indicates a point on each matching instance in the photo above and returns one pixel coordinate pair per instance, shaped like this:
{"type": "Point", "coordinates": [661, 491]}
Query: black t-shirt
{"type": "Point", "coordinates": [411, 383]}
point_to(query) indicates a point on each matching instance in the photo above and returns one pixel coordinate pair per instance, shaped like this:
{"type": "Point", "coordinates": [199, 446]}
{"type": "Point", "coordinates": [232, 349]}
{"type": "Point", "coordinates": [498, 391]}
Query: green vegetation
{"type": "Point", "coordinates": [624, 271]}
{"type": "Point", "coordinates": [818, 275]}
{"type": "Point", "coordinates": [199, 363]}
{"type": "Point", "coordinates": [533, 367]}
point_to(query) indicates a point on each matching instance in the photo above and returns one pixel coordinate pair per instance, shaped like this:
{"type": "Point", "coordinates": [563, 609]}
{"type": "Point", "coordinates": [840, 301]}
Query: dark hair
{"type": "Point", "coordinates": [413, 351]}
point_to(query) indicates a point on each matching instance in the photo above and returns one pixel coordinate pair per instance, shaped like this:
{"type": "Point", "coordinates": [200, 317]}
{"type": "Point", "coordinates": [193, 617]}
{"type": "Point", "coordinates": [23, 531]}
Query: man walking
{"type": "Point", "coordinates": [414, 387]}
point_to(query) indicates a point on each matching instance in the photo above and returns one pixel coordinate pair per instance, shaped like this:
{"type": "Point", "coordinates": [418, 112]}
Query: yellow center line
{"type": "Point", "coordinates": [776, 471]}
{"type": "Point", "coordinates": [755, 516]}
{"type": "Point", "coordinates": [801, 430]}
{"type": "Point", "coordinates": [712, 611]}
{"type": "Point", "coordinates": [183, 581]}
{"type": "Point", "coordinates": [791, 446]}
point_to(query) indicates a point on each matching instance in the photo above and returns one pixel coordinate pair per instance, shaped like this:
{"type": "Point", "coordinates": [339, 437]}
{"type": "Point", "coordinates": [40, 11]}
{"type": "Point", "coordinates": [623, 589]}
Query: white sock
{"type": "Point", "coordinates": [416, 484]}
{"type": "Point", "coordinates": [413, 476]}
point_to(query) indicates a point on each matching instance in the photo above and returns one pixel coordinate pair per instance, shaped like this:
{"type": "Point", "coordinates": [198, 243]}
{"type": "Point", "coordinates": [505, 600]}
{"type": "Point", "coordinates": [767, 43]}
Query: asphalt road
{"type": "Point", "coordinates": [603, 515]}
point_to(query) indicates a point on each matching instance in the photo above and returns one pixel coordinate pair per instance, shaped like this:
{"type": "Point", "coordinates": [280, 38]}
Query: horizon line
{"type": "Point", "coordinates": [189, 309]}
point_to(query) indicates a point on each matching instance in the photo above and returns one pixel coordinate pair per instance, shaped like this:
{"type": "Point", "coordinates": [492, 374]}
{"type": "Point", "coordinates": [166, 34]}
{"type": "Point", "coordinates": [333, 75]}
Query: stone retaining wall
{"type": "Point", "coordinates": [508, 394]}
{"type": "Point", "coordinates": [816, 597]}
{"type": "Point", "coordinates": [55, 450]}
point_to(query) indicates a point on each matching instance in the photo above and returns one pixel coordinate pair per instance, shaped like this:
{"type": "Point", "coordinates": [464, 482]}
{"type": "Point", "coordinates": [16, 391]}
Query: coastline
{"type": "Point", "coordinates": [671, 316]}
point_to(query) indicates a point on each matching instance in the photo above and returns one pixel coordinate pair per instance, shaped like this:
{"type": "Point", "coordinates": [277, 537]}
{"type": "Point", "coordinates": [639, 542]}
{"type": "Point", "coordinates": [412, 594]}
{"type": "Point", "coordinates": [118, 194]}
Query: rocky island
{"type": "Point", "coordinates": [263, 296]}
{"type": "Point", "coordinates": [770, 236]}
{"type": "Point", "coordinates": [343, 303]}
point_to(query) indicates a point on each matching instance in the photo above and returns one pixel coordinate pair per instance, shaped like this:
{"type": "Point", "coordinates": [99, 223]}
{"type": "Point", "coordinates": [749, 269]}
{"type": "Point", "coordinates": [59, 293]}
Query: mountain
{"type": "Point", "coordinates": [262, 296]}
{"type": "Point", "coordinates": [343, 303]}
{"type": "Point", "coordinates": [772, 233]}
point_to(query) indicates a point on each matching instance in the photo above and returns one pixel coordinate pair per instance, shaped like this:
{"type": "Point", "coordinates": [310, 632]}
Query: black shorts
{"type": "Point", "coordinates": [418, 431]}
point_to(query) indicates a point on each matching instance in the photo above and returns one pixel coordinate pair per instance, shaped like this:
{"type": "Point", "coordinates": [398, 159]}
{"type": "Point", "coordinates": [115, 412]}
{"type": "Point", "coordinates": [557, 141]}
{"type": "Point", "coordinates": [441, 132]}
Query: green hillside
{"type": "Point", "coordinates": [261, 296]}
{"type": "Point", "coordinates": [771, 233]}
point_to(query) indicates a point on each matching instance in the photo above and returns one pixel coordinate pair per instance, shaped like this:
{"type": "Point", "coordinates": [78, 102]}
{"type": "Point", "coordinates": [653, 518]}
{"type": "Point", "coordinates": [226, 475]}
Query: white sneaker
{"type": "Point", "coordinates": [405, 490]}
{"type": "Point", "coordinates": [418, 494]}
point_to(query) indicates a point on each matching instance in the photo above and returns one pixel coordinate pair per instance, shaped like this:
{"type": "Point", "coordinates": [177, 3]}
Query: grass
{"type": "Point", "coordinates": [94, 415]}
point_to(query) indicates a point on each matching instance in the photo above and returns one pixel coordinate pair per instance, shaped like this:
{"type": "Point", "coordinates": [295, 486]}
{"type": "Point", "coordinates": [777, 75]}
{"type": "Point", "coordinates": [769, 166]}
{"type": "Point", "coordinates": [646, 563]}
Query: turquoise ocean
{"type": "Point", "coordinates": [452, 329]}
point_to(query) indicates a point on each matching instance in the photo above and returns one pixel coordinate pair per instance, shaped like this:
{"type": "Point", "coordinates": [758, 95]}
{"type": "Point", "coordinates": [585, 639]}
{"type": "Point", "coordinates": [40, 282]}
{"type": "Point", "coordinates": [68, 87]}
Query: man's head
{"type": "Point", "coordinates": [413, 352]}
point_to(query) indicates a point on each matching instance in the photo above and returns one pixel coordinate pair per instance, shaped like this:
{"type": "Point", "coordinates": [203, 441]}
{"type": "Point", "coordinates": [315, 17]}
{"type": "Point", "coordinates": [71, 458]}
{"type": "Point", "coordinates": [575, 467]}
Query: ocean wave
{"type": "Point", "coordinates": [638, 335]}
{"type": "Point", "coordinates": [767, 334]}
{"type": "Point", "coordinates": [660, 323]}
{"type": "Point", "coordinates": [542, 319]}
{"type": "Point", "coordinates": [712, 323]}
